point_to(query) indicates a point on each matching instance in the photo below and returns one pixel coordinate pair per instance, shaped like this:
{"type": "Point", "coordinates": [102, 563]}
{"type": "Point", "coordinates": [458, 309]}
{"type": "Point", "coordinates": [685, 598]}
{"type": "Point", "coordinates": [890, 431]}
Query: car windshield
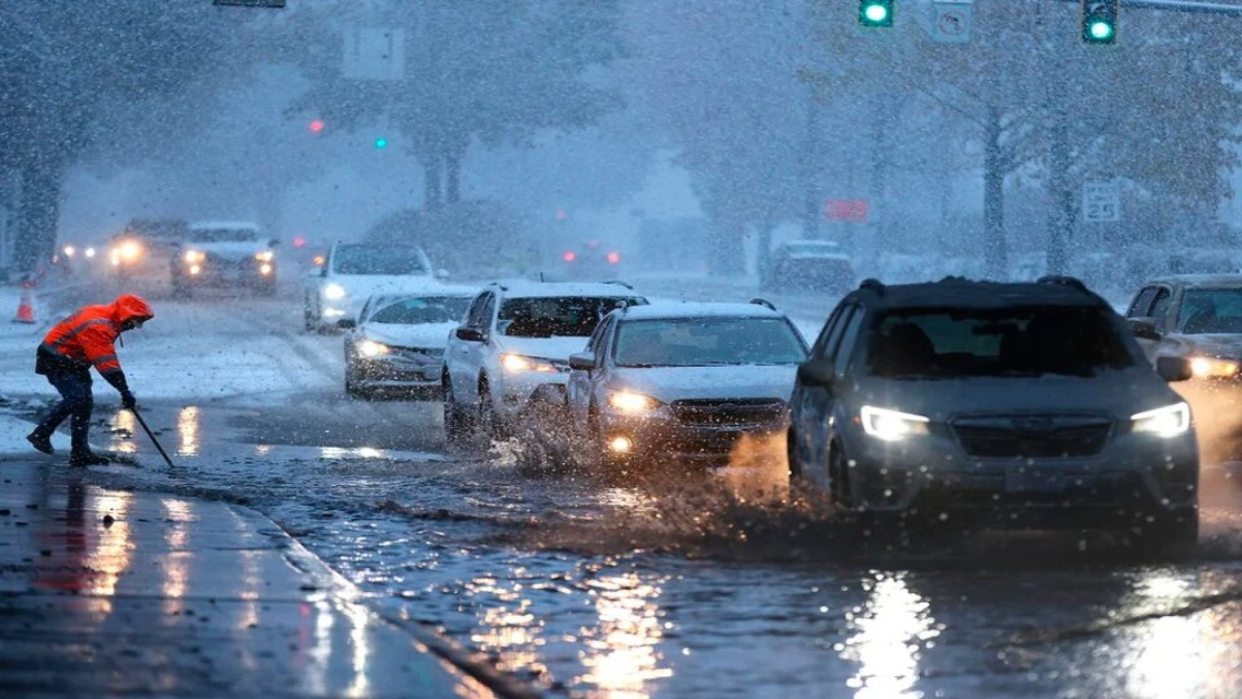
{"type": "Point", "coordinates": [378, 259]}
{"type": "Point", "coordinates": [707, 342]}
{"type": "Point", "coordinates": [1207, 311]}
{"type": "Point", "coordinates": [1019, 341]}
{"type": "Point", "coordinates": [566, 316]}
{"type": "Point", "coordinates": [422, 309]}
{"type": "Point", "coordinates": [223, 235]}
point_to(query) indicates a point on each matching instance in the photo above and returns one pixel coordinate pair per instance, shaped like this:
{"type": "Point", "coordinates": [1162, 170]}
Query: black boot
{"type": "Point", "coordinates": [40, 442]}
{"type": "Point", "coordinates": [86, 458]}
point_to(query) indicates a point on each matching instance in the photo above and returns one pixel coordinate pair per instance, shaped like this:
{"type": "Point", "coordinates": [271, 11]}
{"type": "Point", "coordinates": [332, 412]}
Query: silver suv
{"type": "Point", "coordinates": [1021, 405]}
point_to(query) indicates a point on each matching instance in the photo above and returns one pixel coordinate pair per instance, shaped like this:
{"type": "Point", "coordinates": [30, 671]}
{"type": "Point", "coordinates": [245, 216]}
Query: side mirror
{"type": "Point", "coordinates": [818, 373]}
{"type": "Point", "coordinates": [1143, 328]}
{"type": "Point", "coordinates": [470, 334]}
{"type": "Point", "coordinates": [1174, 368]}
{"type": "Point", "coordinates": [346, 323]}
{"type": "Point", "coordinates": [582, 361]}
{"type": "Point", "coordinates": [442, 273]}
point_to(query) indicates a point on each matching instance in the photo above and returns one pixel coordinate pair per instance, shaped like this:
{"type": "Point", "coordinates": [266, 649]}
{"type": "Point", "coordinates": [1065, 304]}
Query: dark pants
{"type": "Point", "coordinates": [75, 392]}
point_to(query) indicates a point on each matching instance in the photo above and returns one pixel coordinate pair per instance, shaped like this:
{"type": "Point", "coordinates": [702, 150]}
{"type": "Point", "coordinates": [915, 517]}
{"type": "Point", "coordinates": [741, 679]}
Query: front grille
{"type": "Point", "coordinates": [729, 413]}
{"type": "Point", "coordinates": [423, 355]}
{"type": "Point", "coordinates": [1033, 436]}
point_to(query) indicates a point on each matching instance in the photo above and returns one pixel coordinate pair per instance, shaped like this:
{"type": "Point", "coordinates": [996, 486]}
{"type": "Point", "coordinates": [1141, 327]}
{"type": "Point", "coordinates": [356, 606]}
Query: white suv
{"type": "Point", "coordinates": [355, 271]}
{"type": "Point", "coordinates": [513, 349]}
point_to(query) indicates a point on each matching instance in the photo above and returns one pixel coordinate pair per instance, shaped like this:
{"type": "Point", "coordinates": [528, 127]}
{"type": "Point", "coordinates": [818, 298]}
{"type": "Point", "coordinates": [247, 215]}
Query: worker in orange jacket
{"type": "Point", "coordinates": [70, 349]}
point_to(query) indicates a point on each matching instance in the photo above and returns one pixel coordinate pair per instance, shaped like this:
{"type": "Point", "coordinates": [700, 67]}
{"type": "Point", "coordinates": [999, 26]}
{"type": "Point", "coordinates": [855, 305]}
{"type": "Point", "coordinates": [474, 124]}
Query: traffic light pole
{"type": "Point", "coordinates": [1215, 8]}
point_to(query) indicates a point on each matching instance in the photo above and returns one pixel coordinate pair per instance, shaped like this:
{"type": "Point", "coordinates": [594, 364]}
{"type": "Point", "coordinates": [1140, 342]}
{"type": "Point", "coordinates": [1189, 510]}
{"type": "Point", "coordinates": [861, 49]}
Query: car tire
{"type": "Point", "coordinates": [488, 426]}
{"type": "Point", "coordinates": [793, 459]}
{"type": "Point", "coordinates": [457, 423]}
{"type": "Point", "coordinates": [1173, 535]}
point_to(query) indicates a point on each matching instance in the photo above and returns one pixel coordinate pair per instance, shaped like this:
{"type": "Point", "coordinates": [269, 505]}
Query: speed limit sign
{"type": "Point", "coordinates": [1101, 202]}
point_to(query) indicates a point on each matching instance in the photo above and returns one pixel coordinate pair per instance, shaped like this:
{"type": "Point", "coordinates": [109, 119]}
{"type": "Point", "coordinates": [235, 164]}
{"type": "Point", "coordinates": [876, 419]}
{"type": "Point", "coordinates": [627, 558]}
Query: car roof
{"type": "Point", "coordinates": [229, 225]}
{"type": "Point", "coordinates": [965, 293]}
{"type": "Point", "coordinates": [1226, 281]}
{"type": "Point", "coordinates": [454, 292]}
{"type": "Point", "coordinates": [525, 289]}
{"type": "Point", "coordinates": [676, 310]}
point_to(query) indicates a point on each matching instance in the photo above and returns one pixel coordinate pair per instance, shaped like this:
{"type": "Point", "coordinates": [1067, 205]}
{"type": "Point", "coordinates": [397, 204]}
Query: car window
{"type": "Point", "coordinates": [835, 340]}
{"type": "Point", "coordinates": [1142, 303]}
{"type": "Point", "coordinates": [1160, 306]}
{"type": "Point", "coordinates": [598, 343]}
{"type": "Point", "coordinates": [556, 316]}
{"type": "Point", "coordinates": [820, 348]}
{"type": "Point", "coordinates": [420, 310]}
{"type": "Point", "coordinates": [1017, 341]}
{"type": "Point", "coordinates": [849, 340]}
{"type": "Point", "coordinates": [223, 235]}
{"type": "Point", "coordinates": [477, 317]}
{"type": "Point", "coordinates": [378, 259]}
{"type": "Point", "coordinates": [1207, 311]}
{"type": "Point", "coordinates": [685, 342]}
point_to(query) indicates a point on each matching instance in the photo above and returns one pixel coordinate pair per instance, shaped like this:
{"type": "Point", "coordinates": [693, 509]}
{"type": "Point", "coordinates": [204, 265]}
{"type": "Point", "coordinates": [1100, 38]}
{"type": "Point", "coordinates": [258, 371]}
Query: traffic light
{"type": "Point", "coordinates": [1099, 21]}
{"type": "Point", "coordinates": [381, 143]}
{"type": "Point", "coordinates": [315, 126]}
{"type": "Point", "coordinates": [875, 13]}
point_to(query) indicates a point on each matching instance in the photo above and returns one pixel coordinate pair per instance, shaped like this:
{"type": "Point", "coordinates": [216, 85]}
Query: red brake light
{"type": "Point", "coordinates": [569, 256]}
{"type": "Point", "coordinates": [614, 258]}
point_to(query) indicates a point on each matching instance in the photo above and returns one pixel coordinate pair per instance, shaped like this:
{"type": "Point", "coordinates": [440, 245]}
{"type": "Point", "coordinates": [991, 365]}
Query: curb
{"type": "Point", "coordinates": [473, 664]}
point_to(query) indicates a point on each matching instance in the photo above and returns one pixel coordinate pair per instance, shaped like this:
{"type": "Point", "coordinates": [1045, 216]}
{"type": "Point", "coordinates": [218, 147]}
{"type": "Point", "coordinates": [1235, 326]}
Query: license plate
{"type": "Point", "coordinates": [1033, 480]}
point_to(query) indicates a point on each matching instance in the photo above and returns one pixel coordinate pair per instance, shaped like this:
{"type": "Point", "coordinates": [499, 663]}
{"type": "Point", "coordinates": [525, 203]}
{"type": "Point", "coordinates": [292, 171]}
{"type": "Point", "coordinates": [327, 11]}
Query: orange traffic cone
{"type": "Point", "coordinates": [25, 308]}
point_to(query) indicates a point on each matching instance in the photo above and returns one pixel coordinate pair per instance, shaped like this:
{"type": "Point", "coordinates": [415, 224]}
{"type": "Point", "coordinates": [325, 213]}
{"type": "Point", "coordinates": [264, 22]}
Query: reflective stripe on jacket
{"type": "Point", "coordinates": [87, 337]}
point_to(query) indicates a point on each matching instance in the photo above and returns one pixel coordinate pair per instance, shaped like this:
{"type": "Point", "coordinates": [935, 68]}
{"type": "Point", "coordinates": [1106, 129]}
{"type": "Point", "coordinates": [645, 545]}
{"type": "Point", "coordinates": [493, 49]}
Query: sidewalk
{"type": "Point", "coordinates": [109, 592]}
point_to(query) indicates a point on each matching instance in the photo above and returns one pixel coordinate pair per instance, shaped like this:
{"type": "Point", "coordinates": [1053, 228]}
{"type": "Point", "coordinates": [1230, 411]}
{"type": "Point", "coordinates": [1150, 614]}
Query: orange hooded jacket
{"type": "Point", "coordinates": [87, 338]}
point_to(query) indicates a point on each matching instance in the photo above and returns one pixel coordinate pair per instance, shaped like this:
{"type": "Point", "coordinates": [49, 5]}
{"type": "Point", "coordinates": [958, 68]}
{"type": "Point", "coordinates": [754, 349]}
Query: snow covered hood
{"type": "Point", "coordinates": [667, 384]}
{"type": "Point", "coordinates": [1118, 393]}
{"type": "Point", "coordinates": [359, 287]}
{"type": "Point", "coordinates": [544, 347]}
{"type": "Point", "coordinates": [429, 335]}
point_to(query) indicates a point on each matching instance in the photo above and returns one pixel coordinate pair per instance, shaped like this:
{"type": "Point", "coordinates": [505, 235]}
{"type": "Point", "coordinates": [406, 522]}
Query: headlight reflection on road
{"type": "Point", "coordinates": [1177, 655]}
{"type": "Point", "coordinates": [892, 629]}
{"type": "Point", "coordinates": [187, 430]}
{"type": "Point", "coordinates": [123, 428]}
{"type": "Point", "coordinates": [508, 630]}
{"type": "Point", "coordinates": [621, 657]}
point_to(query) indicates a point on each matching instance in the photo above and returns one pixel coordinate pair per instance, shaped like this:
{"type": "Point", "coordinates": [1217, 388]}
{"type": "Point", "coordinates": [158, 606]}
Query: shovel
{"type": "Point", "coordinates": [150, 434]}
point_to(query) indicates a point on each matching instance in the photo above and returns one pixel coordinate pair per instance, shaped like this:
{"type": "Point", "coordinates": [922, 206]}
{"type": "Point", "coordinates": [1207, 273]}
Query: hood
{"type": "Point", "coordinates": [667, 384]}
{"type": "Point", "coordinates": [428, 335]}
{"type": "Point", "coordinates": [360, 286]}
{"type": "Point", "coordinates": [545, 347]}
{"type": "Point", "coordinates": [1118, 393]}
{"type": "Point", "coordinates": [130, 307]}
{"type": "Point", "coordinates": [229, 250]}
{"type": "Point", "coordinates": [1227, 345]}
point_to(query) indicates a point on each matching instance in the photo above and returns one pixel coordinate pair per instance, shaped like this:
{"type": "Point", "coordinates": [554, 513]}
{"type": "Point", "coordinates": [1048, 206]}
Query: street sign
{"type": "Point", "coordinates": [374, 53]}
{"type": "Point", "coordinates": [951, 21]}
{"type": "Point", "coordinates": [852, 210]}
{"type": "Point", "coordinates": [1101, 202]}
{"type": "Point", "coordinates": [251, 3]}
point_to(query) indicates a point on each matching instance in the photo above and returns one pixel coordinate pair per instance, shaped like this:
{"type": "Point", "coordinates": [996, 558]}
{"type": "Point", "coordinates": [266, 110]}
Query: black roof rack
{"type": "Point", "coordinates": [765, 303]}
{"type": "Point", "coordinates": [620, 283]}
{"type": "Point", "coordinates": [498, 285]}
{"type": "Point", "coordinates": [873, 284]}
{"type": "Point", "coordinates": [1064, 280]}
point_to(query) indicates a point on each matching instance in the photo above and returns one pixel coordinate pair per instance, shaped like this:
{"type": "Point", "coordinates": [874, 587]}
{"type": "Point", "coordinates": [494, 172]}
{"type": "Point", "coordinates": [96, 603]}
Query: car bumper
{"type": "Point", "coordinates": [1133, 475]}
{"type": "Point", "coordinates": [218, 275]}
{"type": "Point", "coordinates": [397, 374]}
{"type": "Point", "coordinates": [666, 437]}
{"type": "Point", "coordinates": [517, 391]}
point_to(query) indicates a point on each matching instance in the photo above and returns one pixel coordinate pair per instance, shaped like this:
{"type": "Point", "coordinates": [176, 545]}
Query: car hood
{"type": "Point", "coordinates": [363, 285]}
{"type": "Point", "coordinates": [545, 347]}
{"type": "Point", "coordinates": [1119, 393]}
{"type": "Point", "coordinates": [667, 384]}
{"type": "Point", "coordinates": [1215, 345]}
{"type": "Point", "coordinates": [430, 335]}
{"type": "Point", "coordinates": [231, 250]}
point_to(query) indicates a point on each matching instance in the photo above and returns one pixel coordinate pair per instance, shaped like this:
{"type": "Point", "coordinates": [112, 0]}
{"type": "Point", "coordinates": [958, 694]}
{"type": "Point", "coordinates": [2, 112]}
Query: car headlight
{"type": "Point", "coordinates": [265, 256]}
{"type": "Point", "coordinates": [519, 363]}
{"type": "Point", "coordinates": [632, 403]}
{"type": "Point", "coordinates": [1213, 368]}
{"type": "Point", "coordinates": [1169, 421]}
{"type": "Point", "coordinates": [891, 425]}
{"type": "Point", "coordinates": [127, 251]}
{"type": "Point", "coordinates": [333, 292]}
{"type": "Point", "coordinates": [371, 348]}
{"type": "Point", "coordinates": [194, 257]}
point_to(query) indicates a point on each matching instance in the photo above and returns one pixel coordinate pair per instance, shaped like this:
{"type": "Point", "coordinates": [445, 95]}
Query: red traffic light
{"type": "Point", "coordinates": [316, 125]}
{"type": "Point", "coordinates": [569, 256]}
{"type": "Point", "coordinates": [299, 241]}
{"type": "Point", "coordinates": [614, 258]}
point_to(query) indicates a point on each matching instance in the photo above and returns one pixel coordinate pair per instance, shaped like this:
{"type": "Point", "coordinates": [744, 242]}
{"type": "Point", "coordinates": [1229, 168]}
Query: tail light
{"type": "Point", "coordinates": [614, 258]}
{"type": "Point", "coordinates": [569, 256]}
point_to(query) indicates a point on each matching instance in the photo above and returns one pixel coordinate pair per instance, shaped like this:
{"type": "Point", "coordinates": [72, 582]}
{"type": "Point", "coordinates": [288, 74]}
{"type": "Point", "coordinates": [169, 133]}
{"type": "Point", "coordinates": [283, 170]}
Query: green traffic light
{"type": "Point", "coordinates": [876, 13]}
{"type": "Point", "coordinates": [381, 142]}
{"type": "Point", "coordinates": [1101, 31]}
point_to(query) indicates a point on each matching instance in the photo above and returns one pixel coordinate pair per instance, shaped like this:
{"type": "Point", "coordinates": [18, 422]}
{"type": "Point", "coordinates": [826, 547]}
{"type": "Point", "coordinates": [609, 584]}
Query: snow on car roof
{"type": "Point", "coordinates": [1227, 281]}
{"type": "Point", "coordinates": [230, 225]}
{"type": "Point", "coordinates": [525, 289]}
{"type": "Point", "coordinates": [672, 310]}
{"type": "Point", "coordinates": [452, 291]}
{"type": "Point", "coordinates": [965, 293]}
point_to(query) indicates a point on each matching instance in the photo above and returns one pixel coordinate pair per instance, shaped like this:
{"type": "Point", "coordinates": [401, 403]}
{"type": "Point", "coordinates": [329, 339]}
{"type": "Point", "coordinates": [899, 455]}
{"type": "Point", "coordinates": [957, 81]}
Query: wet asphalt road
{"type": "Point", "coordinates": [718, 584]}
